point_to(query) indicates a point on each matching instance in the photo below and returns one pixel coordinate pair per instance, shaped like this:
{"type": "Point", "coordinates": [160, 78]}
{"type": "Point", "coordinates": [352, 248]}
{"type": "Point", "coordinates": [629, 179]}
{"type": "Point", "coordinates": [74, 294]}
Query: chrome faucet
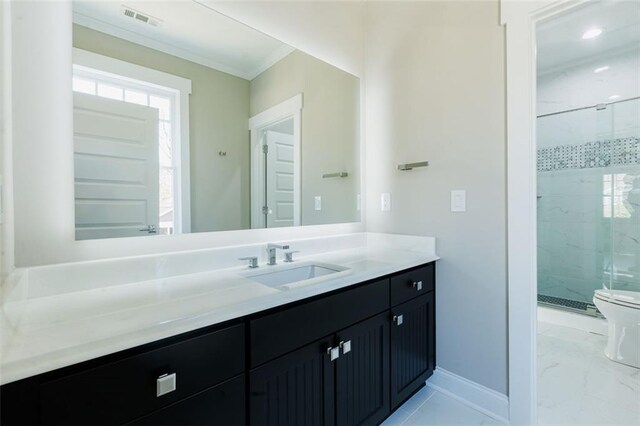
{"type": "Point", "coordinates": [271, 251]}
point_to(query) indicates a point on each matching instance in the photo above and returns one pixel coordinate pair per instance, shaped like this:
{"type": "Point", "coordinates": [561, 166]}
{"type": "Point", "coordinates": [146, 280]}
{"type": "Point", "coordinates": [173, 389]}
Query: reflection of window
{"type": "Point", "coordinates": [613, 196]}
{"type": "Point", "coordinates": [94, 82]}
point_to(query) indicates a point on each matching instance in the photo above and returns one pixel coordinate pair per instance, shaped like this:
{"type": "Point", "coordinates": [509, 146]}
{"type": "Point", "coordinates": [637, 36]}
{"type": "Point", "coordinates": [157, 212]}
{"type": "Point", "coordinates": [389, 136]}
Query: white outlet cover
{"type": "Point", "coordinates": [385, 202]}
{"type": "Point", "coordinates": [458, 200]}
{"type": "Point", "coordinates": [317, 200]}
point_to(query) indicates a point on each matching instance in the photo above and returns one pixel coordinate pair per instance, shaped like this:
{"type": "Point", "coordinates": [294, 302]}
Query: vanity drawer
{"type": "Point", "coordinates": [221, 405]}
{"type": "Point", "coordinates": [413, 283]}
{"type": "Point", "coordinates": [282, 332]}
{"type": "Point", "coordinates": [123, 390]}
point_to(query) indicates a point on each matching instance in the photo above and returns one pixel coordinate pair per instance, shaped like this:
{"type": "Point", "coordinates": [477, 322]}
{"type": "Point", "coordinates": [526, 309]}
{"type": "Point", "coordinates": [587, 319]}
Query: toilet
{"type": "Point", "coordinates": [621, 308]}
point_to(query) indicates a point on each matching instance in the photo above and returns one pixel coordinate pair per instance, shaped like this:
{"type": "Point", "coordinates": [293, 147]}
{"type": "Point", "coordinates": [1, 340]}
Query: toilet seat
{"type": "Point", "coordinates": [629, 299]}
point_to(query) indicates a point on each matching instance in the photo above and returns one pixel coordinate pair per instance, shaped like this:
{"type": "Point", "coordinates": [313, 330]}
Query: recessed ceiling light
{"type": "Point", "coordinates": [601, 69]}
{"type": "Point", "coordinates": [612, 97]}
{"type": "Point", "coordinates": [592, 33]}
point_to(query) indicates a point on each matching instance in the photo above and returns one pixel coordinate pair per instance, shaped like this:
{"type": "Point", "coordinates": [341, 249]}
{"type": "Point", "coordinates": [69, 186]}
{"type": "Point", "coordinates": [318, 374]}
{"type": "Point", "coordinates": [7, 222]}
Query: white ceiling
{"type": "Point", "coordinates": [189, 30]}
{"type": "Point", "coordinates": [560, 43]}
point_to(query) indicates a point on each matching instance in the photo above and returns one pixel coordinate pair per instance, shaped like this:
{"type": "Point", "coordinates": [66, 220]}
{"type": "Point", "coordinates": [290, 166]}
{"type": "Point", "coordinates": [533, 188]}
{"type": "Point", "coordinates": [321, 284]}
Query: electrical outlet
{"type": "Point", "coordinates": [317, 202]}
{"type": "Point", "coordinates": [385, 202]}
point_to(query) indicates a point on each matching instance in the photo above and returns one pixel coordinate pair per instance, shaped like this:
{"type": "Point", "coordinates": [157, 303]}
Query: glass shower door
{"type": "Point", "coordinates": [625, 196]}
{"type": "Point", "coordinates": [575, 152]}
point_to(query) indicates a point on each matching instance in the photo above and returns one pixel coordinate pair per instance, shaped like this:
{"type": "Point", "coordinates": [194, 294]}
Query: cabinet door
{"type": "Point", "coordinates": [412, 346]}
{"type": "Point", "coordinates": [221, 405]}
{"type": "Point", "coordinates": [362, 373]}
{"type": "Point", "coordinates": [296, 389]}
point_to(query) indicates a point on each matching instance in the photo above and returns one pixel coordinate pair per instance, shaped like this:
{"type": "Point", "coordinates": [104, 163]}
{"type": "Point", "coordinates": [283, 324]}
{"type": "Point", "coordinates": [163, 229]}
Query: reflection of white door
{"type": "Point", "coordinates": [275, 179]}
{"type": "Point", "coordinates": [116, 168]}
{"type": "Point", "coordinates": [279, 179]}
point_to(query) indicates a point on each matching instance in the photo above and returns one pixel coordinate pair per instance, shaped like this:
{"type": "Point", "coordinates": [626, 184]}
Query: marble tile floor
{"type": "Point", "coordinates": [430, 407]}
{"type": "Point", "coordinates": [579, 385]}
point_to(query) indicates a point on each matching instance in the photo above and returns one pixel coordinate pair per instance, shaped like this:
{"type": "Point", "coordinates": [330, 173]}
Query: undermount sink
{"type": "Point", "coordinates": [295, 274]}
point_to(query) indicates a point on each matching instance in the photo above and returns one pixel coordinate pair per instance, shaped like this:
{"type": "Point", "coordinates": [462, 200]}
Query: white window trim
{"type": "Point", "coordinates": [182, 86]}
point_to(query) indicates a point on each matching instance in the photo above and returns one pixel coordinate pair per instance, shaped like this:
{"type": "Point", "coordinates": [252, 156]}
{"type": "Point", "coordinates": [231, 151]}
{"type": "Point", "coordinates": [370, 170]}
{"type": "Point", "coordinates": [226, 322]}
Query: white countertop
{"type": "Point", "coordinates": [41, 334]}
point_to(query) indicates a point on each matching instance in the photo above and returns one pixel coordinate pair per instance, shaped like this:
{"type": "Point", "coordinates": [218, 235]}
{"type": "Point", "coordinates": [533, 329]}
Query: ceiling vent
{"type": "Point", "coordinates": [141, 17]}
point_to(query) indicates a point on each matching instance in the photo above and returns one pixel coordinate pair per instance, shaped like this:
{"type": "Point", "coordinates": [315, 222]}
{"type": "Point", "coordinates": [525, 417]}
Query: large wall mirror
{"type": "Point", "coordinates": [188, 121]}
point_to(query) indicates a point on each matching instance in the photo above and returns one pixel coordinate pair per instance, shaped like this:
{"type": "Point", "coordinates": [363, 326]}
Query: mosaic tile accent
{"type": "Point", "coordinates": [590, 155]}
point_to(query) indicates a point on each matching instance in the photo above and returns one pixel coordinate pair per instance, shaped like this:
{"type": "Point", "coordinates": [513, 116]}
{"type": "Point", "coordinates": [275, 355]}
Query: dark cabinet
{"type": "Point", "coordinates": [412, 346]}
{"type": "Point", "coordinates": [119, 391]}
{"type": "Point", "coordinates": [362, 373]}
{"type": "Point", "coordinates": [412, 283]}
{"type": "Point", "coordinates": [223, 404]}
{"type": "Point", "coordinates": [281, 332]}
{"type": "Point", "coordinates": [348, 357]}
{"type": "Point", "coordinates": [342, 379]}
{"type": "Point", "coordinates": [295, 389]}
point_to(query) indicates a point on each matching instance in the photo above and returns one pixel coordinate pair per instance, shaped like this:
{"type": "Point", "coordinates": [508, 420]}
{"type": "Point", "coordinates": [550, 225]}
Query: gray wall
{"type": "Point", "coordinates": [330, 131]}
{"type": "Point", "coordinates": [435, 90]}
{"type": "Point", "coordinates": [219, 114]}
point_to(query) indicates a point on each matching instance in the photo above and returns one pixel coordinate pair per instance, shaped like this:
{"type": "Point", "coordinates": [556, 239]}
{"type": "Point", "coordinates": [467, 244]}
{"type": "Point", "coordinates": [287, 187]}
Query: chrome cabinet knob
{"type": "Point", "coordinates": [253, 261]}
{"type": "Point", "coordinates": [398, 319]}
{"type": "Point", "coordinates": [165, 384]}
{"type": "Point", "coordinates": [333, 352]}
{"type": "Point", "coordinates": [417, 285]}
{"type": "Point", "coordinates": [346, 347]}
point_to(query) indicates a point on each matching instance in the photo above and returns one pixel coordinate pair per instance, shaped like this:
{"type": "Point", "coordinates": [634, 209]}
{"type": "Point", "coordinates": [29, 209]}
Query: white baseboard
{"type": "Point", "coordinates": [487, 401]}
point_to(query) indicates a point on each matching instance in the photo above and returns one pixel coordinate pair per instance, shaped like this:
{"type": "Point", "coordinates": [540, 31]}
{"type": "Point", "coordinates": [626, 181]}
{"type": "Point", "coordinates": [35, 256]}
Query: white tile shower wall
{"type": "Point", "coordinates": [574, 239]}
{"type": "Point", "coordinates": [562, 89]}
{"type": "Point", "coordinates": [588, 220]}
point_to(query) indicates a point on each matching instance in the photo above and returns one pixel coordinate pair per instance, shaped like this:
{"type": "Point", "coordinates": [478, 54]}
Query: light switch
{"type": "Point", "coordinates": [385, 202]}
{"type": "Point", "coordinates": [317, 202]}
{"type": "Point", "coordinates": [459, 200]}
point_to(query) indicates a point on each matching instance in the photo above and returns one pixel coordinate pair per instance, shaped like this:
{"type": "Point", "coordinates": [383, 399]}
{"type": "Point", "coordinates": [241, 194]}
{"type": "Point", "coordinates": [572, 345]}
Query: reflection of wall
{"type": "Point", "coordinates": [435, 90]}
{"type": "Point", "coordinates": [219, 109]}
{"type": "Point", "coordinates": [330, 131]}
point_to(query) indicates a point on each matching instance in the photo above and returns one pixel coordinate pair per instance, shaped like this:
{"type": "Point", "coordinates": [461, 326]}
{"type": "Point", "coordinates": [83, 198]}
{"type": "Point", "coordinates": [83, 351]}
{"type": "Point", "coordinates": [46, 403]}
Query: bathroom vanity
{"type": "Point", "coordinates": [347, 356]}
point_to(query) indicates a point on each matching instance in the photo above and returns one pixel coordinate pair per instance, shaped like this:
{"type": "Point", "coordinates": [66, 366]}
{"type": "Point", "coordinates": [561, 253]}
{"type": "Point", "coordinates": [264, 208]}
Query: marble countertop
{"type": "Point", "coordinates": [41, 334]}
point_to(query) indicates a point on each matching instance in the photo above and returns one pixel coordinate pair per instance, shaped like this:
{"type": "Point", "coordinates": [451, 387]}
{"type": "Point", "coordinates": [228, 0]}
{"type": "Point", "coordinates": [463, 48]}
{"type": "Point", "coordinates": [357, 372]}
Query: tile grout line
{"type": "Point", "coordinates": [433, 392]}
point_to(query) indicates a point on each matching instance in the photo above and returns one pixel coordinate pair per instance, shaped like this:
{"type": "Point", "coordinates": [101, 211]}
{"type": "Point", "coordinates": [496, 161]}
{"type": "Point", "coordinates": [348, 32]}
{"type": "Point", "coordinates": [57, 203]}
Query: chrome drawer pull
{"type": "Point", "coordinates": [417, 285]}
{"type": "Point", "coordinates": [334, 353]}
{"type": "Point", "coordinates": [398, 319]}
{"type": "Point", "coordinates": [345, 346]}
{"type": "Point", "coordinates": [165, 384]}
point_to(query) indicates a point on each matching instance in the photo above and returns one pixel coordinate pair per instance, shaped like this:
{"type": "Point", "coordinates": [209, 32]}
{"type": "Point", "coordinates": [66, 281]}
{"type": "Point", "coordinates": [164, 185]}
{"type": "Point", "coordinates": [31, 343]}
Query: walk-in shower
{"type": "Point", "coordinates": [588, 153]}
{"type": "Point", "coordinates": [588, 202]}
